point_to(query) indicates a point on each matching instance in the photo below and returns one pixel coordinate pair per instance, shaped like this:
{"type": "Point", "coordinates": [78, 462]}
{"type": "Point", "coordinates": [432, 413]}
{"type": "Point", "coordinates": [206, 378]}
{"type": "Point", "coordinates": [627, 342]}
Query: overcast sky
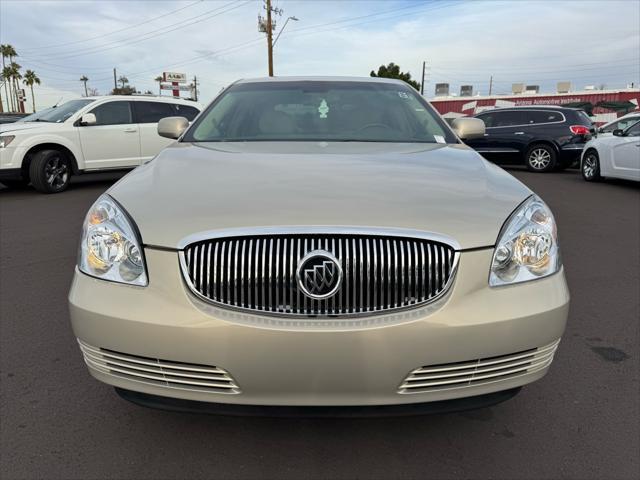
{"type": "Point", "coordinates": [464, 42]}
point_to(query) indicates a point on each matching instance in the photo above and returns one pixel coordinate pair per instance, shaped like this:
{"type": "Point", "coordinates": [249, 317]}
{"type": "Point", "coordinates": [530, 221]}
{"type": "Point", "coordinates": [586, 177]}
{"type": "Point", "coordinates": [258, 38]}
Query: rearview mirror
{"type": "Point", "coordinates": [172, 127]}
{"type": "Point", "coordinates": [88, 119]}
{"type": "Point", "coordinates": [467, 128]}
{"type": "Point", "coordinates": [618, 132]}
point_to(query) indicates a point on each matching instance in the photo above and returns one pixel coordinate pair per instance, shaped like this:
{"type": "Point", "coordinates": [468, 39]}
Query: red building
{"type": "Point", "coordinates": [602, 105]}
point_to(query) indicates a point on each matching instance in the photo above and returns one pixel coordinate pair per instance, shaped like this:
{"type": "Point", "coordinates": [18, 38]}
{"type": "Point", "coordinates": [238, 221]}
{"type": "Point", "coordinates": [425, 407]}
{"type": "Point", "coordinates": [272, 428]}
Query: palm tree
{"type": "Point", "coordinates": [159, 80]}
{"type": "Point", "coordinates": [124, 80]}
{"type": "Point", "coordinates": [16, 76]}
{"type": "Point", "coordinates": [6, 77]}
{"type": "Point", "coordinates": [30, 78]}
{"type": "Point", "coordinates": [4, 51]}
{"type": "Point", "coordinates": [84, 80]}
{"type": "Point", "coordinates": [10, 53]}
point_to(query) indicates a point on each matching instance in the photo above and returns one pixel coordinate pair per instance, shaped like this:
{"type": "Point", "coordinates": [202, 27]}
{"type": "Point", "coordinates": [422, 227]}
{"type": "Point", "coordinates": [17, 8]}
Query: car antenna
{"type": "Point", "coordinates": [57, 102]}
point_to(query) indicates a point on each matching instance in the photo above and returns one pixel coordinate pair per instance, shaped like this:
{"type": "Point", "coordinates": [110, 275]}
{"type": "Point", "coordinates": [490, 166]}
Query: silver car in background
{"type": "Point", "coordinates": [318, 242]}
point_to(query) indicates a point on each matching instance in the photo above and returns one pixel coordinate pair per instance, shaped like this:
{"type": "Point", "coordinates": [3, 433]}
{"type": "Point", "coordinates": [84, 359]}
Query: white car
{"type": "Point", "coordinates": [86, 135]}
{"type": "Point", "coordinates": [613, 156]}
{"type": "Point", "coordinates": [621, 123]}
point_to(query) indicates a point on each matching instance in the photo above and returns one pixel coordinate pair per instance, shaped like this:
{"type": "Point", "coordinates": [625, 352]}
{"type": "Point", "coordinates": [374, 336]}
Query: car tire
{"type": "Point", "coordinates": [50, 171]}
{"type": "Point", "coordinates": [540, 158]}
{"type": "Point", "coordinates": [590, 167]}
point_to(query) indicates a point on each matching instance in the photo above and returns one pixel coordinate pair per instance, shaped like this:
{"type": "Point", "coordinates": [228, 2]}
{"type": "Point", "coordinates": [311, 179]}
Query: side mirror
{"type": "Point", "coordinates": [618, 132]}
{"type": "Point", "coordinates": [467, 128]}
{"type": "Point", "coordinates": [88, 119]}
{"type": "Point", "coordinates": [172, 127]}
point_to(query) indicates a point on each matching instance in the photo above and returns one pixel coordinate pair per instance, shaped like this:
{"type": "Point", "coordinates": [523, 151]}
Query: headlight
{"type": "Point", "coordinates": [110, 248]}
{"type": "Point", "coordinates": [6, 140]}
{"type": "Point", "coordinates": [527, 246]}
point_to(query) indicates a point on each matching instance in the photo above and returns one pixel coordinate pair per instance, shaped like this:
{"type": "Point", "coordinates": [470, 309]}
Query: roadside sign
{"type": "Point", "coordinates": [184, 88]}
{"type": "Point", "coordinates": [21, 95]}
{"type": "Point", "coordinates": [174, 77]}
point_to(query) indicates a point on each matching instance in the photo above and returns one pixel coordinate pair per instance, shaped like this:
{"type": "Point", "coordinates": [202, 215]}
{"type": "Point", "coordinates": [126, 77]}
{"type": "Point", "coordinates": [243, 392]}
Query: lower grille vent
{"type": "Point", "coordinates": [478, 372]}
{"type": "Point", "coordinates": [184, 376]}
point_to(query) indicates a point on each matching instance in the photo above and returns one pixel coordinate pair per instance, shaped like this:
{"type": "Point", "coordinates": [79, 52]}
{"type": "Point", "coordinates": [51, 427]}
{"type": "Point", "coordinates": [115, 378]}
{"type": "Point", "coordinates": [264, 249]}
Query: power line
{"type": "Point", "coordinates": [115, 31]}
{"type": "Point", "coordinates": [292, 34]}
{"type": "Point", "coordinates": [153, 33]}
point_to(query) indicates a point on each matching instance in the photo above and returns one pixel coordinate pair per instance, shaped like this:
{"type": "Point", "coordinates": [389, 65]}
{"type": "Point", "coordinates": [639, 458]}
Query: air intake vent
{"type": "Point", "coordinates": [260, 273]}
{"type": "Point", "coordinates": [163, 373]}
{"type": "Point", "coordinates": [478, 372]}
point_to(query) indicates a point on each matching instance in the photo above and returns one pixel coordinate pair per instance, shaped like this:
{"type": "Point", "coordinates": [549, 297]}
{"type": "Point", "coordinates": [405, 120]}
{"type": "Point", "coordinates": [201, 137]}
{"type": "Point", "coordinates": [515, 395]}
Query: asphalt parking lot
{"type": "Point", "coordinates": [581, 421]}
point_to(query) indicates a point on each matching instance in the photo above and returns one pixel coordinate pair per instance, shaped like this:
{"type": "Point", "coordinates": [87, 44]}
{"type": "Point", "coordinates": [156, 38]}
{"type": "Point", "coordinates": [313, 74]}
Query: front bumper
{"type": "Point", "coordinates": [262, 360]}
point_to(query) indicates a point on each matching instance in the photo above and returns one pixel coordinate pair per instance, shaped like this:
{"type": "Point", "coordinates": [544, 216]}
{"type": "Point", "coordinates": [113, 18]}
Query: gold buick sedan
{"type": "Point", "coordinates": [324, 243]}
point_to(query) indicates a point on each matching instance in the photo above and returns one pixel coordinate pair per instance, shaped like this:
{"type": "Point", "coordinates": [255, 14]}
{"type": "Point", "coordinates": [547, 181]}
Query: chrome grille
{"type": "Point", "coordinates": [258, 272]}
{"type": "Point", "coordinates": [163, 373]}
{"type": "Point", "coordinates": [478, 372]}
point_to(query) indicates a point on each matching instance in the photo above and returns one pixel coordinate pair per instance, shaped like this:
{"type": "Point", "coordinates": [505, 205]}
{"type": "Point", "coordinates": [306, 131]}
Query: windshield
{"type": "Point", "coordinates": [320, 111]}
{"type": "Point", "coordinates": [63, 112]}
{"type": "Point", "coordinates": [36, 115]}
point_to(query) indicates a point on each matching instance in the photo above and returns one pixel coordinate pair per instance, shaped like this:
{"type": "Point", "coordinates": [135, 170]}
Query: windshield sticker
{"type": "Point", "coordinates": [323, 109]}
{"type": "Point", "coordinates": [403, 94]}
{"type": "Point", "coordinates": [439, 139]}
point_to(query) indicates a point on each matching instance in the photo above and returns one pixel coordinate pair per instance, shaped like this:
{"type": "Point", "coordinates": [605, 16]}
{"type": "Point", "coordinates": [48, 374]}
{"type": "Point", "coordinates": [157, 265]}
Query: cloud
{"type": "Point", "coordinates": [463, 42]}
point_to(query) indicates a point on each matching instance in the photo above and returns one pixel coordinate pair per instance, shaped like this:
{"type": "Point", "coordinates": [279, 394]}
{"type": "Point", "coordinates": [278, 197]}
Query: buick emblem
{"type": "Point", "coordinates": [319, 274]}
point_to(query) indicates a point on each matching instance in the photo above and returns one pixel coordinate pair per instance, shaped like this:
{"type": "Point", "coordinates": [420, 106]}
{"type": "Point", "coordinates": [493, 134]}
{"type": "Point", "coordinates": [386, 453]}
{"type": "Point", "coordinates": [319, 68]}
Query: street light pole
{"type": "Point", "coordinates": [295, 19]}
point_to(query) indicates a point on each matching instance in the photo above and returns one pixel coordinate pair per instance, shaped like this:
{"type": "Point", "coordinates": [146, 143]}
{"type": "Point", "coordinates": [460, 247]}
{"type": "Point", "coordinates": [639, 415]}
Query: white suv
{"type": "Point", "coordinates": [85, 135]}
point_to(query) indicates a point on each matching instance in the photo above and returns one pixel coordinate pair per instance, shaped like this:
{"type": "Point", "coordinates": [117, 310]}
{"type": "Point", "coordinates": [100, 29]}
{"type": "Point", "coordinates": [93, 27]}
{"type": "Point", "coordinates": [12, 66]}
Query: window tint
{"type": "Point", "coordinates": [509, 118]}
{"type": "Point", "coordinates": [63, 112]}
{"type": "Point", "coordinates": [186, 111]}
{"type": "Point", "coordinates": [113, 113]}
{"type": "Point", "coordinates": [487, 118]}
{"type": "Point", "coordinates": [610, 128]}
{"type": "Point", "coordinates": [635, 130]}
{"type": "Point", "coordinates": [152, 112]}
{"type": "Point", "coordinates": [542, 116]}
{"type": "Point", "coordinates": [622, 124]}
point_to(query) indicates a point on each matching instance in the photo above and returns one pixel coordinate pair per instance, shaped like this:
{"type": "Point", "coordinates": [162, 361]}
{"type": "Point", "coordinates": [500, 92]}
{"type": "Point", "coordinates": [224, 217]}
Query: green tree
{"type": "Point", "coordinates": [126, 90]}
{"type": "Point", "coordinates": [15, 77]}
{"type": "Point", "coordinates": [6, 78]}
{"type": "Point", "coordinates": [393, 71]}
{"type": "Point", "coordinates": [84, 79]}
{"type": "Point", "coordinates": [123, 80]}
{"type": "Point", "coordinates": [7, 51]}
{"type": "Point", "coordinates": [30, 78]}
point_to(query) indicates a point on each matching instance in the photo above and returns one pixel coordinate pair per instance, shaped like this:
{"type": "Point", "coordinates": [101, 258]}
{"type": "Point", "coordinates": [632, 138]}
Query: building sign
{"type": "Point", "coordinates": [174, 77]}
{"type": "Point", "coordinates": [183, 88]}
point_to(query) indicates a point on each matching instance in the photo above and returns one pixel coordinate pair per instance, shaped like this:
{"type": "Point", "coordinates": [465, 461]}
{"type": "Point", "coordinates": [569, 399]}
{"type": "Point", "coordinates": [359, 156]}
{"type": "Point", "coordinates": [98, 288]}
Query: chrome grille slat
{"type": "Point", "coordinates": [158, 372]}
{"type": "Point", "coordinates": [476, 372]}
{"type": "Point", "coordinates": [259, 272]}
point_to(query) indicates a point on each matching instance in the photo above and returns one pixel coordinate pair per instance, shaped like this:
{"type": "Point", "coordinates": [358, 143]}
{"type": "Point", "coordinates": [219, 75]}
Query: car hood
{"type": "Point", "coordinates": [193, 188]}
{"type": "Point", "coordinates": [17, 126]}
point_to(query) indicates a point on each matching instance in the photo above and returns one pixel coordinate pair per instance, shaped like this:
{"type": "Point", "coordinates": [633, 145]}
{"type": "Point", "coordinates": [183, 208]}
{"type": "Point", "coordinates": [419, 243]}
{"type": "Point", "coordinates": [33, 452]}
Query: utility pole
{"type": "Point", "coordinates": [269, 38]}
{"type": "Point", "coordinates": [424, 66]}
{"type": "Point", "coordinates": [115, 83]}
{"type": "Point", "coordinates": [268, 25]}
{"type": "Point", "coordinates": [490, 85]}
{"type": "Point", "coordinates": [195, 88]}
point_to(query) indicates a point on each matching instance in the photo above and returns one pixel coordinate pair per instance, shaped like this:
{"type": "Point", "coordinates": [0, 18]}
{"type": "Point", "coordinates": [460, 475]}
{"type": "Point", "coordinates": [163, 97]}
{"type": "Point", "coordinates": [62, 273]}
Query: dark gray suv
{"type": "Point", "coordinates": [544, 138]}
